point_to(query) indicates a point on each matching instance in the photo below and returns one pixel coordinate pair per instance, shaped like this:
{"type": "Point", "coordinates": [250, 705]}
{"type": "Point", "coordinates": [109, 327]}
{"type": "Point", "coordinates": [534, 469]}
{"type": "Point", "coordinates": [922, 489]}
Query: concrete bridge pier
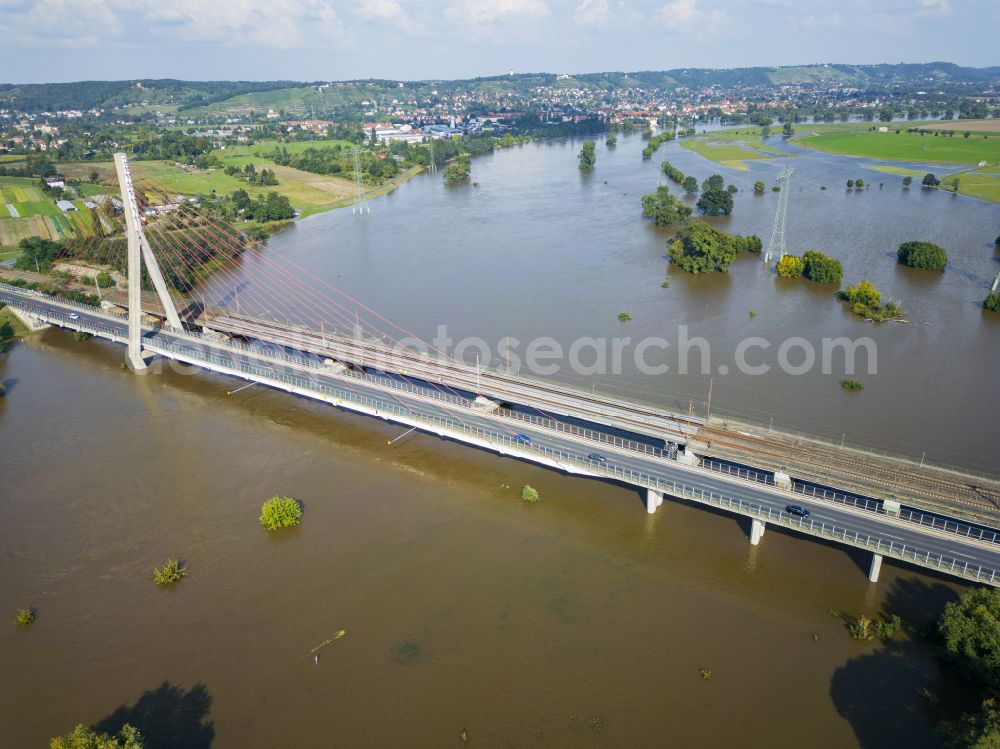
{"type": "Point", "coordinates": [653, 500]}
{"type": "Point", "coordinates": [756, 530]}
{"type": "Point", "coordinates": [876, 566]}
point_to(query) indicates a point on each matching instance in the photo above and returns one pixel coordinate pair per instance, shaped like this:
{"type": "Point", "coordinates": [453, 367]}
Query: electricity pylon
{"type": "Point", "coordinates": [776, 245]}
{"type": "Point", "coordinates": [139, 250]}
{"type": "Point", "coordinates": [359, 188]}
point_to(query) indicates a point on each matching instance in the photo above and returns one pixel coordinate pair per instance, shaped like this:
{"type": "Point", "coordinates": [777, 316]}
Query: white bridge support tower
{"type": "Point", "coordinates": [776, 245]}
{"type": "Point", "coordinates": [139, 250]}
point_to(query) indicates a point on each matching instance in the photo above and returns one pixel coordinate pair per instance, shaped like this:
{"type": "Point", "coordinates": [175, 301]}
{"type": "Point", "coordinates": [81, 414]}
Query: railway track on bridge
{"type": "Point", "coordinates": [847, 469]}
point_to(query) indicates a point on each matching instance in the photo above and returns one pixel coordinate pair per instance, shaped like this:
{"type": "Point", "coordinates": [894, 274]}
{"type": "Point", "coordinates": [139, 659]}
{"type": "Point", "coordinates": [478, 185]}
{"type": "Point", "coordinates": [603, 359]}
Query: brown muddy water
{"type": "Point", "coordinates": [578, 621]}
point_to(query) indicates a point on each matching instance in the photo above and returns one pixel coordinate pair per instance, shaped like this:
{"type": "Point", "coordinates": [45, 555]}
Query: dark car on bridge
{"type": "Point", "coordinates": [522, 439]}
{"type": "Point", "coordinates": [802, 512]}
{"type": "Point", "coordinates": [597, 458]}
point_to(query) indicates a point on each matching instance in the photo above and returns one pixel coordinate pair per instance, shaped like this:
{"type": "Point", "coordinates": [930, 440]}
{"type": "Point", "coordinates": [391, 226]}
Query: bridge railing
{"type": "Point", "coordinates": [749, 474]}
{"type": "Point", "coordinates": [875, 544]}
{"type": "Point", "coordinates": [40, 308]}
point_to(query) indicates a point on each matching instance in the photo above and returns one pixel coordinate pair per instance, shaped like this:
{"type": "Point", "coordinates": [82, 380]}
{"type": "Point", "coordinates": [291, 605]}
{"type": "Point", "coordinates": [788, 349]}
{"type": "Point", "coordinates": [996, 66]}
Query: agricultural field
{"type": "Point", "coordinates": [35, 213]}
{"type": "Point", "coordinates": [973, 126]}
{"type": "Point", "coordinates": [891, 146]}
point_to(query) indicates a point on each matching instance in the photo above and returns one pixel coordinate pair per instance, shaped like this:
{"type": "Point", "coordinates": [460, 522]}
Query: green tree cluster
{"type": "Point", "coordinates": [611, 141]}
{"type": "Point", "coordinates": [970, 630]}
{"type": "Point", "coordinates": [655, 143]}
{"type": "Point", "coordinates": [83, 737]}
{"type": "Point", "coordinates": [992, 301]}
{"type": "Point", "coordinates": [169, 573]}
{"type": "Point", "coordinates": [672, 172]}
{"type": "Point", "coordinates": [700, 248]}
{"type": "Point", "coordinates": [758, 187]}
{"type": "Point", "coordinates": [458, 171]}
{"type": "Point", "coordinates": [715, 203]}
{"type": "Point", "coordinates": [690, 185]}
{"type": "Point", "coordinates": [821, 268]}
{"type": "Point", "coordinates": [280, 512]}
{"type": "Point", "coordinates": [866, 301]}
{"type": "Point", "coordinates": [790, 266]}
{"type": "Point", "coordinates": [588, 155]}
{"type": "Point", "coordinates": [923, 255]}
{"type": "Point", "coordinates": [664, 208]}
{"type": "Point", "coordinates": [38, 254]}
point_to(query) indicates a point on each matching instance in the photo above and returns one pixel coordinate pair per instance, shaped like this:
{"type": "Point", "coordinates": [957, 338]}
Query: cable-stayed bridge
{"type": "Point", "coordinates": [306, 337]}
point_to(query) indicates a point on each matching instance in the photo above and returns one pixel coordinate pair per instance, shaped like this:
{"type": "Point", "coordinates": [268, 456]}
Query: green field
{"type": "Point", "coordinates": [896, 170]}
{"type": "Point", "coordinates": [730, 148]}
{"type": "Point", "coordinates": [902, 147]}
{"type": "Point", "coordinates": [981, 183]}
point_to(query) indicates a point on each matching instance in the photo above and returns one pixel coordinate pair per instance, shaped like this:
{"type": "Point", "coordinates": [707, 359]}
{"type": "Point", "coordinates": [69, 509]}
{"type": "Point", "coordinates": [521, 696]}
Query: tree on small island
{"type": "Point", "coordinates": [907, 181]}
{"type": "Point", "coordinates": [530, 494]}
{"type": "Point", "coordinates": [790, 266]}
{"type": "Point", "coordinates": [128, 737]}
{"type": "Point", "coordinates": [624, 316]}
{"type": "Point", "coordinates": [458, 170]}
{"type": "Point", "coordinates": [612, 141]}
{"type": "Point", "coordinates": [700, 248]}
{"type": "Point", "coordinates": [759, 187]}
{"type": "Point", "coordinates": [715, 182]}
{"type": "Point", "coordinates": [25, 618]}
{"type": "Point", "coordinates": [859, 184]}
{"type": "Point", "coordinates": [715, 203]}
{"type": "Point", "coordinates": [691, 186]}
{"type": "Point", "coordinates": [930, 180]}
{"type": "Point", "coordinates": [992, 301]}
{"type": "Point", "coordinates": [280, 512]}
{"type": "Point", "coordinates": [588, 156]}
{"type": "Point", "coordinates": [922, 255]}
{"type": "Point", "coordinates": [664, 208]}
{"type": "Point", "coordinates": [821, 268]}
{"type": "Point", "coordinates": [170, 573]}
{"type": "Point", "coordinates": [850, 184]}
{"type": "Point", "coordinates": [866, 302]}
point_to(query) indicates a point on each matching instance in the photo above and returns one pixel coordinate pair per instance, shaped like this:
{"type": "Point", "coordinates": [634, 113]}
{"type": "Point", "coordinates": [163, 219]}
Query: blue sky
{"type": "Point", "coordinates": [65, 40]}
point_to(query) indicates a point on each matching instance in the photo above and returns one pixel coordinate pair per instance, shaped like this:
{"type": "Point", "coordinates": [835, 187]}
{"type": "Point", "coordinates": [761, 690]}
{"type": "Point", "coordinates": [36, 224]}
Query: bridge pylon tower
{"type": "Point", "coordinates": [776, 245]}
{"type": "Point", "coordinates": [139, 250]}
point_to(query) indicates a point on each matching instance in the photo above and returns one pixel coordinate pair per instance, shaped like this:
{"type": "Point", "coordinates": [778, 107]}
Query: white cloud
{"type": "Point", "coordinates": [592, 12]}
{"type": "Point", "coordinates": [479, 13]}
{"type": "Point", "coordinates": [940, 7]}
{"type": "Point", "coordinates": [391, 13]}
{"type": "Point", "coordinates": [277, 24]}
{"type": "Point", "coordinates": [685, 15]}
{"type": "Point", "coordinates": [81, 23]}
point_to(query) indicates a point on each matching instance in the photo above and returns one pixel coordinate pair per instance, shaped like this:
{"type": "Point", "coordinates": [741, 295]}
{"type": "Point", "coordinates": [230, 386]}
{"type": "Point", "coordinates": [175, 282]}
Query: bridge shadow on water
{"type": "Point", "coordinates": [169, 717]}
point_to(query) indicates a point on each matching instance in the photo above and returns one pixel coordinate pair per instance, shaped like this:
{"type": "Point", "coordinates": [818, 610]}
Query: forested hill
{"type": "Point", "coordinates": [40, 97]}
{"type": "Point", "coordinates": [190, 95]}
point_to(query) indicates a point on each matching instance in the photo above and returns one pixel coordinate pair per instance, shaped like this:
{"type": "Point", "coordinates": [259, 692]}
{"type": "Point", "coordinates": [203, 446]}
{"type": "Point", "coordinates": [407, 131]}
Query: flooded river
{"type": "Point", "coordinates": [577, 621]}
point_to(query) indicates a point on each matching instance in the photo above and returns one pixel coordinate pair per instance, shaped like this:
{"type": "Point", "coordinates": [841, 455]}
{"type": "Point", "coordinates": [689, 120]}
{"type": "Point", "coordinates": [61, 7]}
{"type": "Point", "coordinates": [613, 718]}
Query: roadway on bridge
{"type": "Point", "coordinates": [864, 522]}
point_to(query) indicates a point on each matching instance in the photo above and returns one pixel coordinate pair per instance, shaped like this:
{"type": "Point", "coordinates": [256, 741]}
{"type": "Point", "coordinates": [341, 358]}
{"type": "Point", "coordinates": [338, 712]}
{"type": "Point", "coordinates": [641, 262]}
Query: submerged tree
{"type": "Point", "coordinates": [588, 155]}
